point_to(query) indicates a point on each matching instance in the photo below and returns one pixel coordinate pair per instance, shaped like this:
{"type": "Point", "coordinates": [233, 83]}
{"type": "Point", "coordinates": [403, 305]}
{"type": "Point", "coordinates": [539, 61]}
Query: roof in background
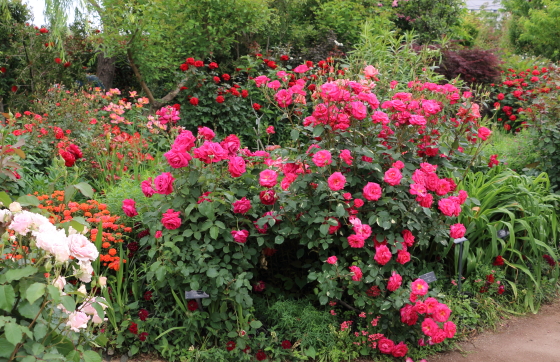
{"type": "Point", "coordinates": [490, 5]}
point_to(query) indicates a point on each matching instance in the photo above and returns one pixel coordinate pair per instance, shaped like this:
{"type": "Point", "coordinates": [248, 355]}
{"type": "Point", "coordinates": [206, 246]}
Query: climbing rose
{"type": "Point", "coordinates": [242, 206]}
{"type": "Point", "coordinates": [164, 183]}
{"type": "Point", "coordinates": [393, 176]}
{"type": "Point", "coordinates": [147, 188]}
{"type": "Point", "coordinates": [408, 238]}
{"type": "Point", "coordinates": [336, 181]}
{"type": "Point", "coordinates": [484, 133]}
{"type": "Point", "coordinates": [386, 345]}
{"type": "Point", "coordinates": [395, 281]}
{"type": "Point", "coordinates": [240, 236]}
{"type": "Point", "coordinates": [356, 241]}
{"type": "Point", "coordinates": [268, 178]}
{"type": "Point", "coordinates": [400, 350]}
{"type": "Point", "coordinates": [382, 254]}
{"type": "Point", "coordinates": [332, 260]}
{"type": "Point", "coordinates": [170, 219]}
{"type": "Point", "coordinates": [346, 156]}
{"type": "Point", "coordinates": [457, 231]}
{"type": "Point", "coordinates": [372, 191]}
{"type": "Point", "coordinates": [357, 273]}
{"type": "Point", "coordinates": [268, 197]}
{"type": "Point", "coordinates": [129, 207]}
{"type": "Point", "coordinates": [236, 166]}
{"type": "Point", "coordinates": [322, 158]}
{"type": "Point", "coordinates": [419, 287]}
{"type": "Point", "coordinates": [177, 159]}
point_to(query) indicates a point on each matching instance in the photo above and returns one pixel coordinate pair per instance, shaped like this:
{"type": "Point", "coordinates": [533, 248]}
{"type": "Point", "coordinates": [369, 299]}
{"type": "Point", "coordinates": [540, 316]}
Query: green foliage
{"type": "Point", "coordinates": [522, 205]}
{"type": "Point", "coordinates": [516, 151]}
{"type": "Point", "coordinates": [541, 29]}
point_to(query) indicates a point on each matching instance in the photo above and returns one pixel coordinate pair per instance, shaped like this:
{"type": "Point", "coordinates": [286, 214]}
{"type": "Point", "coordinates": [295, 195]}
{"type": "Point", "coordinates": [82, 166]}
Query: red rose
{"type": "Point", "coordinates": [386, 345]}
{"type": "Point", "coordinates": [143, 314]}
{"type": "Point", "coordinates": [286, 344]}
{"type": "Point", "coordinates": [226, 77]}
{"type": "Point", "coordinates": [268, 197]}
{"type": "Point", "coordinates": [184, 67]}
{"type": "Point", "coordinates": [400, 350]}
{"type": "Point", "coordinates": [499, 261]}
{"type": "Point", "coordinates": [242, 206]}
{"type": "Point", "coordinates": [75, 150]}
{"type": "Point", "coordinates": [220, 99]}
{"type": "Point", "coordinates": [194, 101]}
{"type": "Point", "coordinates": [190, 61]}
{"type": "Point", "coordinates": [199, 63]}
{"type": "Point", "coordinates": [256, 106]}
{"type": "Point", "coordinates": [14, 88]}
{"type": "Point", "coordinates": [143, 336]}
{"type": "Point", "coordinates": [213, 65]}
{"type": "Point", "coordinates": [284, 58]}
{"type": "Point", "coordinates": [230, 346]}
{"type": "Point", "coordinates": [133, 328]}
{"type": "Point", "coordinates": [261, 356]}
{"type": "Point", "coordinates": [67, 64]}
{"type": "Point", "coordinates": [43, 30]}
{"type": "Point", "coordinates": [57, 60]}
{"type": "Point", "coordinates": [244, 93]}
{"type": "Point", "coordinates": [69, 158]}
{"type": "Point", "coordinates": [171, 220]}
{"type": "Point", "coordinates": [192, 305]}
{"type": "Point", "coordinates": [2, 70]}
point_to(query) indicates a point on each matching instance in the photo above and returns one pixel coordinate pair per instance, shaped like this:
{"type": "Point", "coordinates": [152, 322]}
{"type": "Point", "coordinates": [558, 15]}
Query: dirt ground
{"type": "Point", "coordinates": [532, 338]}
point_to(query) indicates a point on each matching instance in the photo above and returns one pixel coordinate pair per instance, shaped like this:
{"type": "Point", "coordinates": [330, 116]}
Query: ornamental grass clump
{"type": "Point", "coordinates": [352, 203]}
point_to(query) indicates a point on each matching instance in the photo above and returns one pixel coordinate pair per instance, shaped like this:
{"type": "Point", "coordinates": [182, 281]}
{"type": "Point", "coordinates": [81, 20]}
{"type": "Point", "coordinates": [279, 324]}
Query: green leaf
{"type": "Point", "coordinates": [69, 193]}
{"type": "Point", "coordinates": [68, 303]}
{"type": "Point", "coordinates": [17, 274]}
{"type": "Point", "coordinates": [214, 232]}
{"type": "Point", "coordinates": [133, 350]}
{"type": "Point", "coordinates": [101, 340]}
{"type": "Point", "coordinates": [85, 189]}
{"type": "Point", "coordinates": [212, 273]}
{"type": "Point", "coordinates": [311, 352]}
{"type": "Point", "coordinates": [35, 291]}
{"type": "Point", "coordinates": [279, 239]}
{"type": "Point", "coordinates": [39, 331]}
{"type": "Point", "coordinates": [13, 333]}
{"type": "Point", "coordinates": [6, 348]}
{"type": "Point", "coordinates": [324, 229]}
{"type": "Point", "coordinates": [29, 359]}
{"type": "Point", "coordinates": [256, 324]}
{"type": "Point", "coordinates": [318, 130]}
{"type": "Point", "coordinates": [5, 198]}
{"type": "Point", "coordinates": [340, 212]}
{"type": "Point", "coordinates": [91, 356]}
{"type": "Point", "coordinates": [7, 297]}
{"type": "Point", "coordinates": [294, 134]}
{"type": "Point", "coordinates": [27, 200]}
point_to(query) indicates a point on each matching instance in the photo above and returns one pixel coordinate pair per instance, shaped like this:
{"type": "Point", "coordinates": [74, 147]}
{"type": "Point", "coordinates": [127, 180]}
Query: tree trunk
{"type": "Point", "coordinates": [105, 70]}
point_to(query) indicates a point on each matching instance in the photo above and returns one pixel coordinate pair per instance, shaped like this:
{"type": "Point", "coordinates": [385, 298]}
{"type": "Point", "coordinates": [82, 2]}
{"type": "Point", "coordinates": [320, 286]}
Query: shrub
{"type": "Point", "coordinates": [472, 65]}
{"type": "Point", "coordinates": [517, 151]}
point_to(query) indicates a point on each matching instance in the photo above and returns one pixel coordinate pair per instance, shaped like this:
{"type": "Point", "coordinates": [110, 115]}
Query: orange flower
{"type": "Point", "coordinates": [112, 251]}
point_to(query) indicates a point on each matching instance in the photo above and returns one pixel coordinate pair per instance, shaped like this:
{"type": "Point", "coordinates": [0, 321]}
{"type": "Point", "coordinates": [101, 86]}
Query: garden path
{"type": "Point", "coordinates": [531, 338]}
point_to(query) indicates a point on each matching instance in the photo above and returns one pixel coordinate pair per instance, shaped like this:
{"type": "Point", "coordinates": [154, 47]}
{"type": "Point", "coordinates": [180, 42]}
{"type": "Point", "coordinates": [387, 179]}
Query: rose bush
{"type": "Point", "coordinates": [348, 146]}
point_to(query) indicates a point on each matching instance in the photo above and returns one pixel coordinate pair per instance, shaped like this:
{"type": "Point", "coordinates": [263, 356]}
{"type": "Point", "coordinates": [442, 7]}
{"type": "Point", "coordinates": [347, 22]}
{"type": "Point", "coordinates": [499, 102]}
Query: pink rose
{"type": "Point", "coordinates": [231, 145]}
{"type": "Point", "coordinates": [408, 238]}
{"type": "Point", "coordinates": [240, 236]}
{"type": "Point", "coordinates": [417, 120]}
{"type": "Point", "coordinates": [21, 223]}
{"type": "Point", "coordinates": [417, 189]}
{"type": "Point", "coordinates": [382, 254]}
{"type": "Point", "coordinates": [346, 156]}
{"type": "Point", "coordinates": [449, 207]}
{"type": "Point", "coordinates": [463, 196]}
{"type": "Point", "coordinates": [431, 304]}
{"type": "Point", "coordinates": [164, 183]}
{"type": "Point", "coordinates": [372, 191]}
{"type": "Point", "coordinates": [429, 327]}
{"type": "Point", "coordinates": [268, 197]}
{"type": "Point", "coordinates": [395, 281]}
{"type": "Point", "coordinates": [356, 241]}
{"type": "Point", "coordinates": [81, 248]}
{"type": "Point", "coordinates": [236, 166]}
{"type": "Point", "coordinates": [441, 313]}
{"type": "Point", "coordinates": [358, 203]}
{"type": "Point", "coordinates": [370, 71]}
{"type": "Point", "coordinates": [206, 133]}
{"type": "Point", "coordinates": [288, 180]}
{"type": "Point", "coordinates": [270, 130]}
{"type": "Point", "coordinates": [380, 117]}
{"type": "Point", "coordinates": [274, 85]}
{"type": "Point", "coordinates": [337, 181]}
{"type": "Point", "coordinates": [301, 68]}
{"type": "Point", "coordinates": [129, 207]}
{"type": "Point", "coordinates": [425, 201]}
{"type": "Point", "coordinates": [210, 152]}
{"type": "Point", "coordinates": [268, 178]}
{"type": "Point", "coordinates": [184, 142]}
{"type": "Point", "coordinates": [449, 328]}
{"type": "Point", "coordinates": [177, 159]}
{"type": "Point", "coordinates": [171, 220]}
{"type": "Point", "coordinates": [322, 158]}
{"type": "Point", "coordinates": [409, 315]}
{"type": "Point", "coordinates": [283, 98]}
{"type": "Point", "coordinates": [77, 321]}
{"type": "Point", "coordinates": [242, 206]}
{"type": "Point", "coordinates": [400, 350]}
{"type": "Point", "coordinates": [428, 168]}
{"type": "Point", "coordinates": [432, 181]}
{"type": "Point", "coordinates": [393, 176]}
{"type": "Point", "coordinates": [261, 79]}
{"type": "Point", "coordinates": [443, 187]}
{"type": "Point", "coordinates": [457, 231]}
{"type": "Point", "coordinates": [147, 188]}
{"type": "Point", "coordinates": [484, 133]}
{"type": "Point", "coordinates": [332, 260]}
{"type": "Point", "coordinates": [386, 345]}
{"type": "Point", "coordinates": [357, 273]}
{"type": "Point", "coordinates": [419, 287]}
{"type": "Point", "coordinates": [358, 110]}
{"type": "Point", "coordinates": [403, 257]}
{"type": "Point", "coordinates": [398, 164]}
{"type": "Point", "coordinates": [158, 234]}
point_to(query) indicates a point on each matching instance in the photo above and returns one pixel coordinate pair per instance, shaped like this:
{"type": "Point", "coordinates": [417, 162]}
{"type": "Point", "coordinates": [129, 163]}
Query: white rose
{"type": "Point", "coordinates": [15, 207]}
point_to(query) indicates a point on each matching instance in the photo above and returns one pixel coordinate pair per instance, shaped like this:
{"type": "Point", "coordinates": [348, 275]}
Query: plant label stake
{"type": "Point", "coordinates": [197, 295]}
{"type": "Point", "coordinates": [460, 241]}
{"type": "Point", "coordinates": [428, 277]}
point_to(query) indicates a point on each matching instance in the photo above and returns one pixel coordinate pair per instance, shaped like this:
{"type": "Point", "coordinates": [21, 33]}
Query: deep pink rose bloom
{"type": "Point", "coordinates": [242, 206]}
{"type": "Point", "coordinates": [403, 257]}
{"type": "Point", "coordinates": [419, 177]}
{"type": "Point", "coordinates": [171, 220]}
{"type": "Point", "coordinates": [398, 164]}
{"type": "Point", "coordinates": [177, 159]}
{"type": "Point", "coordinates": [372, 191]}
{"type": "Point", "coordinates": [336, 181]}
{"type": "Point", "coordinates": [358, 110]}
{"type": "Point", "coordinates": [288, 180]}
{"type": "Point", "coordinates": [240, 236]}
{"type": "Point", "coordinates": [409, 315]}
{"type": "Point", "coordinates": [427, 167]}
{"type": "Point", "coordinates": [268, 178]}
{"type": "Point", "coordinates": [417, 189]}
{"type": "Point", "coordinates": [443, 187]}
{"type": "Point", "coordinates": [393, 176]}
{"type": "Point", "coordinates": [346, 156]}
{"type": "Point", "coordinates": [386, 345]}
{"type": "Point", "coordinates": [332, 260]}
{"type": "Point", "coordinates": [484, 133]}
{"type": "Point", "coordinates": [408, 238]}
{"type": "Point", "coordinates": [432, 181]}
{"type": "Point", "coordinates": [184, 142]}
{"type": "Point", "coordinates": [429, 327]}
{"type": "Point", "coordinates": [400, 350]}
{"type": "Point", "coordinates": [147, 188]}
{"type": "Point", "coordinates": [358, 203]}
{"type": "Point", "coordinates": [129, 207]}
{"type": "Point", "coordinates": [419, 287]}
{"type": "Point", "coordinates": [457, 231]}
{"type": "Point", "coordinates": [449, 207]}
{"type": "Point", "coordinates": [357, 273]}
{"type": "Point", "coordinates": [231, 145]}
{"type": "Point", "coordinates": [274, 85]}
{"type": "Point", "coordinates": [380, 117]}
{"type": "Point", "coordinates": [236, 166]}
{"type": "Point", "coordinates": [463, 196]}
{"type": "Point", "coordinates": [259, 287]}
{"type": "Point", "coordinates": [449, 328]}
{"type": "Point", "coordinates": [206, 133]}
{"type": "Point", "coordinates": [356, 241]}
{"type": "Point", "coordinates": [441, 313]}
{"type": "Point", "coordinates": [164, 183]}
{"type": "Point", "coordinates": [417, 120]}
{"type": "Point", "coordinates": [210, 152]}
{"type": "Point", "coordinates": [395, 281]}
{"type": "Point", "coordinates": [270, 130]}
{"type": "Point", "coordinates": [283, 98]}
{"type": "Point", "coordinates": [431, 304]}
{"type": "Point", "coordinates": [425, 201]}
{"type": "Point", "coordinates": [302, 68]}
{"type": "Point", "coordinates": [382, 254]}
{"type": "Point", "coordinates": [158, 234]}
{"type": "Point", "coordinates": [261, 79]}
{"type": "Point", "coordinates": [322, 158]}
